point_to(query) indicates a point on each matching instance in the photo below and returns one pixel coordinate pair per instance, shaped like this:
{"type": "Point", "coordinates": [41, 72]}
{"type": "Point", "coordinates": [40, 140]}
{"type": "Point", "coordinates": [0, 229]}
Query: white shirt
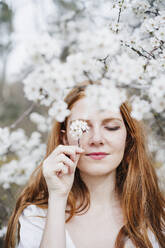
{"type": "Point", "coordinates": [32, 227]}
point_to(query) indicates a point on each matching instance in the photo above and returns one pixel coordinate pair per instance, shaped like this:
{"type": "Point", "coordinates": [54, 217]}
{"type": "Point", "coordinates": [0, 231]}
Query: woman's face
{"type": "Point", "coordinates": [107, 134]}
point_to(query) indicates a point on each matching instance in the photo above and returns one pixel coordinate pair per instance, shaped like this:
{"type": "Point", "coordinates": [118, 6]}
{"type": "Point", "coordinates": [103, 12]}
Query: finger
{"type": "Point", "coordinates": [68, 150]}
{"type": "Point", "coordinates": [76, 151]}
{"type": "Point", "coordinates": [69, 163]}
{"type": "Point", "coordinates": [61, 167]}
{"type": "Point", "coordinates": [72, 157]}
{"type": "Point", "coordinates": [65, 168]}
{"type": "Point", "coordinates": [63, 158]}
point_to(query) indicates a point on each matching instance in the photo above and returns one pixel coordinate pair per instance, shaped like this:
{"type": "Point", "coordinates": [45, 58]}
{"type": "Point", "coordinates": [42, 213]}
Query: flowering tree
{"type": "Point", "coordinates": [120, 43]}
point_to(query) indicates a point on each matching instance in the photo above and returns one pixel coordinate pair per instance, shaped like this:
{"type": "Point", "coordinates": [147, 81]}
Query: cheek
{"type": "Point", "coordinates": [120, 142]}
{"type": "Point", "coordinates": [71, 140]}
{"type": "Point", "coordinates": [117, 139]}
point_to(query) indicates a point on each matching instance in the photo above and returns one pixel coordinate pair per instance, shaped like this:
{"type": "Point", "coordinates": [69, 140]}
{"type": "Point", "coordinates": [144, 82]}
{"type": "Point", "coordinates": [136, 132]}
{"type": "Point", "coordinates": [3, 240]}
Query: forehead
{"type": "Point", "coordinates": [84, 109]}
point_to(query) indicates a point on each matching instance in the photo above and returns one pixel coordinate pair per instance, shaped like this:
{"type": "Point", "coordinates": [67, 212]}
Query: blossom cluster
{"type": "Point", "coordinates": [121, 44]}
{"type": "Point", "coordinates": [106, 95]}
{"type": "Point", "coordinates": [100, 56]}
{"type": "Point", "coordinates": [23, 153]}
{"type": "Point", "coordinates": [77, 128]}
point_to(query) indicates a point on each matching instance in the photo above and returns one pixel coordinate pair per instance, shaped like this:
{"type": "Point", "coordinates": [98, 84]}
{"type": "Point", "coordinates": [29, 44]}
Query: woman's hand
{"type": "Point", "coordinates": [59, 169]}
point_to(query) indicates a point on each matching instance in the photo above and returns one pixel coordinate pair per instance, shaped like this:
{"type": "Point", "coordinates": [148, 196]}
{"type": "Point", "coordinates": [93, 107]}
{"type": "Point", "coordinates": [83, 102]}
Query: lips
{"type": "Point", "coordinates": [97, 155]}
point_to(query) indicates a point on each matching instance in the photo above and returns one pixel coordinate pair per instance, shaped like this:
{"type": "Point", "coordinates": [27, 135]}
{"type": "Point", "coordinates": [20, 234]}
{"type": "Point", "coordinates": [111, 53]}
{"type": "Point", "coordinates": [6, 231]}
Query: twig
{"type": "Point", "coordinates": [149, 53]}
{"type": "Point", "coordinates": [105, 64]}
{"type": "Point", "coordinates": [156, 13]}
{"type": "Point", "coordinates": [135, 50]}
{"type": "Point", "coordinates": [133, 86]}
{"type": "Point", "coordinates": [86, 73]}
{"type": "Point", "coordinates": [118, 20]}
{"type": "Point", "coordinates": [27, 112]}
{"type": "Point", "coordinates": [156, 48]}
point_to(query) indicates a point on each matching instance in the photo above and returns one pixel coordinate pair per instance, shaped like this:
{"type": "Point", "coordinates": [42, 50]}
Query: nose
{"type": "Point", "coordinates": [96, 137]}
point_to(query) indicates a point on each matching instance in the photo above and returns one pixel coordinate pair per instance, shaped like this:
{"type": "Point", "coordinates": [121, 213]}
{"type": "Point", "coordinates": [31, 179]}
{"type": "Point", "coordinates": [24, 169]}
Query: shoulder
{"type": "Point", "coordinates": [32, 222]}
{"type": "Point", "coordinates": [33, 216]}
{"type": "Point", "coordinates": [33, 210]}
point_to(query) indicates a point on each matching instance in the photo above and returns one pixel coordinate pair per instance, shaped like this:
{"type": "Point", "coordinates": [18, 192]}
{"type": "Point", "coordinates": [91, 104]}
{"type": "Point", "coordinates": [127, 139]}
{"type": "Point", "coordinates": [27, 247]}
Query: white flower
{"type": "Point", "coordinates": [41, 85]}
{"type": "Point", "coordinates": [4, 140]}
{"type": "Point", "coordinates": [77, 128]}
{"type": "Point", "coordinates": [140, 108]}
{"type": "Point", "coordinates": [99, 44]}
{"type": "Point", "coordinates": [81, 62]}
{"type": "Point", "coordinates": [34, 140]}
{"type": "Point", "coordinates": [154, 42]}
{"type": "Point", "coordinates": [160, 34]}
{"type": "Point", "coordinates": [43, 47]}
{"type": "Point", "coordinates": [33, 86]}
{"type": "Point", "coordinates": [109, 99]}
{"type": "Point", "coordinates": [153, 68]}
{"type": "Point", "coordinates": [149, 25]}
{"type": "Point", "coordinates": [106, 96]}
{"type": "Point", "coordinates": [29, 156]}
{"type": "Point", "coordinates": [18, 140]}
{"type": "Point", "coordinates": [59, 111]}
{"type": "Point", "coordinates": [62, 73]}
{"type": "Point", "coordinates": [139, 7]}
{"type": "Point", "coordinates": [125, 69]}
{"type": "Point", "coordinates": [43, 123]}
{"type": "Point", "coordinates": [158, 88]}
{"type": "Point", "coordinates": [158, 104]}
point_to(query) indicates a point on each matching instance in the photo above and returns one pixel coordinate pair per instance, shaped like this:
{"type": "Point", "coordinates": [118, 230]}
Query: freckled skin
{"type": "Point", "coordinates": [98, 138]}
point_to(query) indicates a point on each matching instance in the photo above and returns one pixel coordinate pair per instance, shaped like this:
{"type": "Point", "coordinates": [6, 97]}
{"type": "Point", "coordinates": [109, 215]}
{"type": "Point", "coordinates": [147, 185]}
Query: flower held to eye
{"type": "Point", "coordinates": [77, 128]}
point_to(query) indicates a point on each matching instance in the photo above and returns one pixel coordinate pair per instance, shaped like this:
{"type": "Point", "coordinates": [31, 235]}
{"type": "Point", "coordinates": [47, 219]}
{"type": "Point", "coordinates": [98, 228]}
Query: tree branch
{"type": "Point", "coordinates": [27, 112]}
{"type": "Point", "coordinates": [135, 50]}
{"type": "Point", "coordinates": [118, 20]}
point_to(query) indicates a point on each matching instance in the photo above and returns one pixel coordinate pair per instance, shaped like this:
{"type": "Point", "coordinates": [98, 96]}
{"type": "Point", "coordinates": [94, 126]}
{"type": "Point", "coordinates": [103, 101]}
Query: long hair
{"type": "Point", "coordinates": [136, 184]}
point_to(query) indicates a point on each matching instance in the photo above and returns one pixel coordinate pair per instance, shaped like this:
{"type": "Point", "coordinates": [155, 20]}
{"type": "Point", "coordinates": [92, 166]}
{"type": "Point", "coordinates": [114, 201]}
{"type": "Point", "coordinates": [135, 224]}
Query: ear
{"type": "Point", "coordinates": [64, 137]}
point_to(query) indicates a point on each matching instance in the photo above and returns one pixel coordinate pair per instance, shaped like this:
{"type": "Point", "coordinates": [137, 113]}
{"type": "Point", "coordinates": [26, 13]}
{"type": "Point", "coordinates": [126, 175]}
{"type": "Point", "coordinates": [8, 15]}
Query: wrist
{"type": "Point", "coordinates": [57, 199]}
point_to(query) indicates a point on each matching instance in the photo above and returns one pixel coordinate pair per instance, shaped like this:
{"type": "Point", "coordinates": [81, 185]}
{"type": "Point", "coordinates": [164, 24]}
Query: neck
{"type": "Point", "coordinates": [102, 191]}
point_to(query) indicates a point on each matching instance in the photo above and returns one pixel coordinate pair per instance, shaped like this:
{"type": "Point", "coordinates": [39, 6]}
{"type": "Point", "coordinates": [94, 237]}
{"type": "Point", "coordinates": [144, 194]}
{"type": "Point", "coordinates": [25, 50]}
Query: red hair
{"type": "Point", "coordinates": [136, 184]}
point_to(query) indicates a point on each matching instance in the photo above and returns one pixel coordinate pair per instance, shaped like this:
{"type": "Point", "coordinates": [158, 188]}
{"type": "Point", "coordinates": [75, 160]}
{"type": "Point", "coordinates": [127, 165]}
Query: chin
{"type": "Point", "coordinates": [95, 171]}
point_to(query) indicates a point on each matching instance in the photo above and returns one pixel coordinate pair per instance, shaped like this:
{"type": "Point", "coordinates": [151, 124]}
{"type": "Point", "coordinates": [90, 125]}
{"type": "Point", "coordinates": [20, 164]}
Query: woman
{"type": "Point", "coordinates": [78, 198]}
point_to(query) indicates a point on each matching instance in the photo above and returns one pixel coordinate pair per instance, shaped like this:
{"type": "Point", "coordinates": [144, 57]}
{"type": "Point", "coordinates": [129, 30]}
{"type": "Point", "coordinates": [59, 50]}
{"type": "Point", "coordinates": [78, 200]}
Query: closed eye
{"type": "Point", "coordinates": [112, 128]}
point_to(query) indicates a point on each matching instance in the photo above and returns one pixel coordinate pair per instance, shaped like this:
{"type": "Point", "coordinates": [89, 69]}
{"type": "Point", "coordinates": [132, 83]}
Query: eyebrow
{"type": "Point", "coordinates": [103, 121]}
